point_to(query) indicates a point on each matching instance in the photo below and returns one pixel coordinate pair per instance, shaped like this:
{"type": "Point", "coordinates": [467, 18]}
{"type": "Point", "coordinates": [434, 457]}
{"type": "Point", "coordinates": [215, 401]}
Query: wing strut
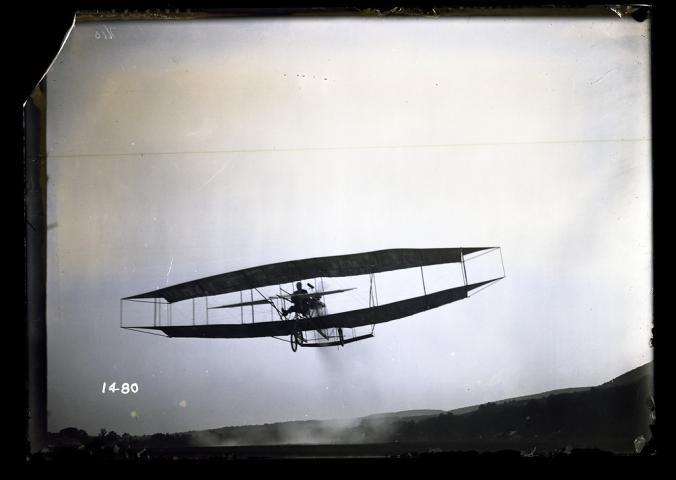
{"type": "Point", "coordinates": [271, 303]}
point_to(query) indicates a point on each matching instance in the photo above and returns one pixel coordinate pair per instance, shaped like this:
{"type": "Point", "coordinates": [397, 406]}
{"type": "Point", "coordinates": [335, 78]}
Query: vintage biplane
{"type": "Point", "coordinates": [309, 324]}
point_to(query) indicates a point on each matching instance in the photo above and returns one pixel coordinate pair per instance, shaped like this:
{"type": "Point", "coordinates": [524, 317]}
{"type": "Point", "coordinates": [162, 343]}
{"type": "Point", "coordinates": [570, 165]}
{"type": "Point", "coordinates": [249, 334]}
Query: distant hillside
{"type": "Point", "coordinates": [609, 416]}
{"type": "Point", "coordinates": [631, 376]}
{"type": "Point", "coordinates": [473, 408]}
{"type": "Point", "coordinates": [410, 414]}
{"type": "Point", "coordinates": [626, 378]}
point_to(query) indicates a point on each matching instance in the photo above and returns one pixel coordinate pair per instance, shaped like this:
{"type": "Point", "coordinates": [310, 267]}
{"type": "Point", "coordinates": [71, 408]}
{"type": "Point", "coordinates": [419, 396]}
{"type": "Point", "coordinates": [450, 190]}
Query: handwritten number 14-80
{"type": "Point", "coordinates": [124, 389]}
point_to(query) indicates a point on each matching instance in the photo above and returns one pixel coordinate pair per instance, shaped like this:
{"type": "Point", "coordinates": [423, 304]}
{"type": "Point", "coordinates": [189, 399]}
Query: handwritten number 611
{"type": "Point", "coordinates": [105, 34]}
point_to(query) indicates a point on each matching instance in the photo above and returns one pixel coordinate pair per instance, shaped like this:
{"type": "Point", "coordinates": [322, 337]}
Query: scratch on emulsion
{"type": "Point", "coordinates": [602, 76]}
{"type": "Point", "coordinates": [171, 264]}
{"type": "Point", "coordinates": [215, 175]}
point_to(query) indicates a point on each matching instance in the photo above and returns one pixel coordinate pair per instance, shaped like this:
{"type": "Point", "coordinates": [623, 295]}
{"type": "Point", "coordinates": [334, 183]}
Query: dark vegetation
{"type": "Point", "coordinates": [606, 418]}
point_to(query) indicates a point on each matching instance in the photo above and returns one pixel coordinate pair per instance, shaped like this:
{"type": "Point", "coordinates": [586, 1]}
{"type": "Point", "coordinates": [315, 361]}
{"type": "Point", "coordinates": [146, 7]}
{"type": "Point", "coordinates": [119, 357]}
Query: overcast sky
{"type": "Point", "coordinates": [178, 150]}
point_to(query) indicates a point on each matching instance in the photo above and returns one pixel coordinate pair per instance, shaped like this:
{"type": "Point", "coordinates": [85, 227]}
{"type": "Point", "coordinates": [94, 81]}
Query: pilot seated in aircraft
{"type": "Point", "coordinates": [301, 303]}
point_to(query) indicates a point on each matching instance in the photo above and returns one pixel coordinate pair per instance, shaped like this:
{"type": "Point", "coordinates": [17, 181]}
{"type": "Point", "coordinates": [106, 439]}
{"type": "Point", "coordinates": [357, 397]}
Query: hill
{"type": "Point", "coordinates": [609, 417]}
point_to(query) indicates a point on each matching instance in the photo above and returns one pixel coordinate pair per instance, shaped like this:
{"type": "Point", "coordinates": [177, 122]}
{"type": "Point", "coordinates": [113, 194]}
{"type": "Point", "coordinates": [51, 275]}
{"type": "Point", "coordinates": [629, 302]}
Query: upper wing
{"type": "Point", "coordinates": [333, 266]}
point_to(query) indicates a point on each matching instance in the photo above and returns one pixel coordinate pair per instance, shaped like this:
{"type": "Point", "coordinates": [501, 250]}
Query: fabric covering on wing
{"type": "Point", "coordinates": [333, 266]}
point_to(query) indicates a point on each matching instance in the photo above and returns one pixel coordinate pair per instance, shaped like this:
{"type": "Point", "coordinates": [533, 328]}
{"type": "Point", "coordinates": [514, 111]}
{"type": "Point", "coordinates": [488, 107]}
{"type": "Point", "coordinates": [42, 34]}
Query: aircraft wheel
{"type": "Point", "coordinates": [340, 334]}
{"type": "Point", "coordinates": [294, 342]}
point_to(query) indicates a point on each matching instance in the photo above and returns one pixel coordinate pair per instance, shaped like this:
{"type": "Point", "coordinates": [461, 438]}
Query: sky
{"type": "Point", "coordinates": [179, 150]}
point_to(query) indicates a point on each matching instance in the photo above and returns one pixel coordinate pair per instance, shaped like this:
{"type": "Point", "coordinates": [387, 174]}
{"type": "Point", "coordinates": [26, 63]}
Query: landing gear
{"type": "Point", "coordinates": [340, 335]}
{"type": "Point", "coordinates": [296, 339]}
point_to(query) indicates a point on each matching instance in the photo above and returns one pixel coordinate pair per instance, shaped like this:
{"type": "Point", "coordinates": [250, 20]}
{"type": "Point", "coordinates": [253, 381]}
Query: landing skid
{"type": "Point", "coordinates": [339, 343]}
{"type": "Point", "coordinates": [297, 339]}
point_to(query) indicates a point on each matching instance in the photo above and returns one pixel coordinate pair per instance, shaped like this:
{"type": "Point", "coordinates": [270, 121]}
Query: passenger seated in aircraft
{"type": "Point", "coordinates": [300, 303]}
